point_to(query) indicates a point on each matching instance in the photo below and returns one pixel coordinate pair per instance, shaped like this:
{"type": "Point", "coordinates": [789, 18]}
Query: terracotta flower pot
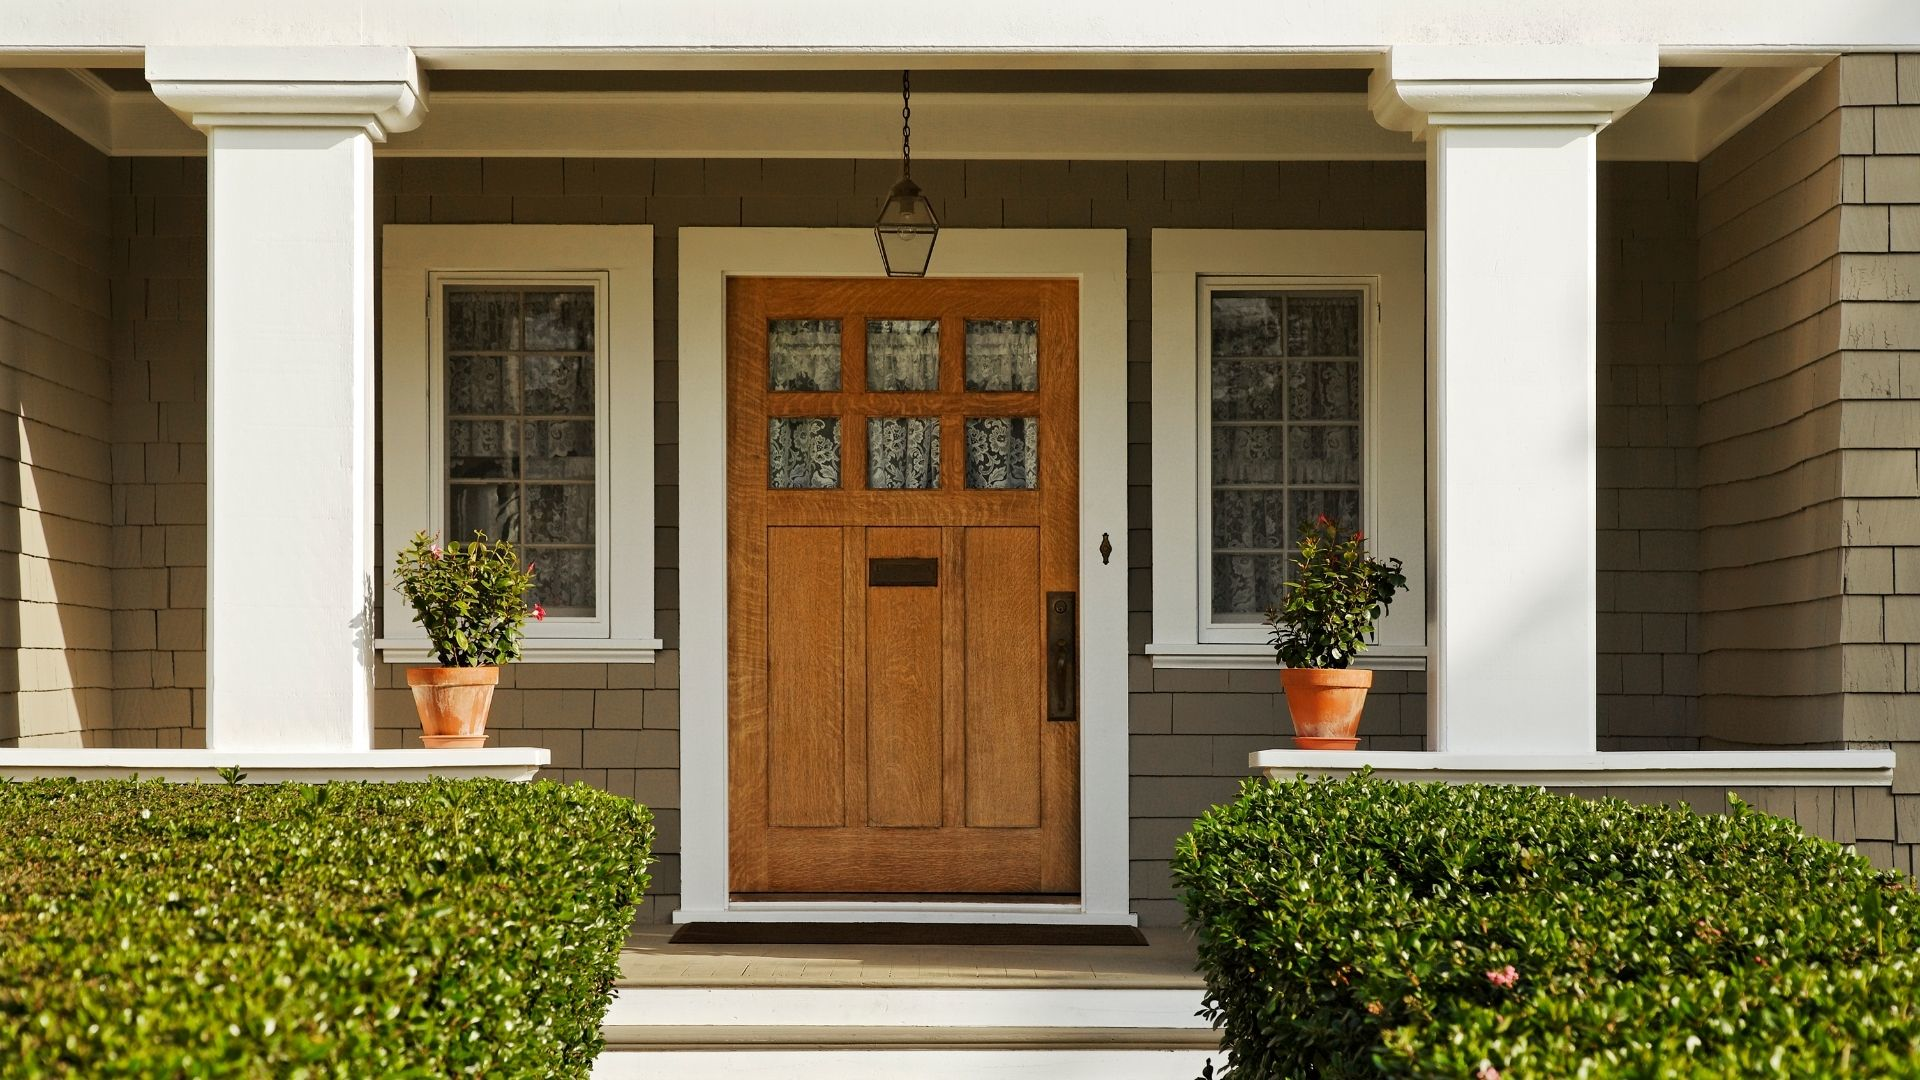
{"type": "Point", "coordinates": [1325, 704]}
{"type": "Point", "coordinates": [453, 704]}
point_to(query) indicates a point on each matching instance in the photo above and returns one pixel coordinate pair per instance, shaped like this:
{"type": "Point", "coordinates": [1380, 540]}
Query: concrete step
{"type": "Point", "coordinates": [888, 1033]}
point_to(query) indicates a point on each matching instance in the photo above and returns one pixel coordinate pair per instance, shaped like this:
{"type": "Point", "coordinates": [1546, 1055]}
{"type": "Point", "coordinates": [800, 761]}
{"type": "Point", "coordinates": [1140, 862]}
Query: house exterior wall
{"type": "Point", "coordinates": [616, 726]}
{"type": "Point", "coordinates": [55, 394]}
{"type": "Point", "coordinates": [1809, 427]}
{"type": "Point", "coordinates": [159, 208]}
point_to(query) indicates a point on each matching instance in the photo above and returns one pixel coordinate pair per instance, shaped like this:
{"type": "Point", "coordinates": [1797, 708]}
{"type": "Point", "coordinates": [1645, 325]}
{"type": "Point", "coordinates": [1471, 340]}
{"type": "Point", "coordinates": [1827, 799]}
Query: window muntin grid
{"type": "Point", "coordinates": [1284, 442]}
{"type": "Point", "coordinates": [522, 392]}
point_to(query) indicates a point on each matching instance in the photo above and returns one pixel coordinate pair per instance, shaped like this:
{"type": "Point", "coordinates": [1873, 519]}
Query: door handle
{"type": "Point", "coordinates": [1063, 664]}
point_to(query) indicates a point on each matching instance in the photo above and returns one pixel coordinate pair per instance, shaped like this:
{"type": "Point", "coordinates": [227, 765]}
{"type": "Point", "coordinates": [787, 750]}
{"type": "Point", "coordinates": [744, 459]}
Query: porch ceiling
{"type": "Point", "coordinates": [1312, 109]}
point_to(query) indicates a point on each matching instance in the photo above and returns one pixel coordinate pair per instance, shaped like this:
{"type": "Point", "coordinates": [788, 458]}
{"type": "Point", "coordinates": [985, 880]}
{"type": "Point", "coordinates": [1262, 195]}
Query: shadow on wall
{"type": "Point", "coordinates": [56, 622]}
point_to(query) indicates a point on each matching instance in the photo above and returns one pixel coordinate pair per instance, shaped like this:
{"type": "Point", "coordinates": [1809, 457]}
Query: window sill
{"type": "Point", "coordinates": [1249, 656]}
{"type": "Point", "coordinates": [541, 651]}
{"type": "Point", "coordinates": [1675, 769]}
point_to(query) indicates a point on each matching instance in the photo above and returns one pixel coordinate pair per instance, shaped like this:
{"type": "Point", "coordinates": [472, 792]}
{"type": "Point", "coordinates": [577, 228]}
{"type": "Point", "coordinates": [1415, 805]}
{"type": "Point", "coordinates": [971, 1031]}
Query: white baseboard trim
{"type": "Point", "coordinates": [516, 763]}
{"type": "Point", "coordinates": [1667, 769]}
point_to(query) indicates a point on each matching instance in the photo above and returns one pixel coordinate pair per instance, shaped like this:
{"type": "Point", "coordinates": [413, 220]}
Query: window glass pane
{"type": "Point", "coordinates": [483, 449]}
{"type": "Point", "coordinates": [563, 580]}
{"type": "Point", "coordinates": [558, 385]}
{"type": "Point", "coordinates": [491, 509]}
{"type": "Point", "coordinates": [559, 449]}
{"type": "Point", "coordinates": [1285, 444]}
{"type": "Point", "coordinates": [1247, 325]}
{"type": "Point", "coordinates": [1247, 454]}
{"type": "Point", "coordinates": [559, 514]}
{"type": "Point", "coordinates": [1248, 583]}
{"type": "Point", "coordinates": [560, 320]}
{"type": "Point", "coordinates": [903, 354]}
{"type": "Point", "coordinates": [803, 452]}
{"type": "Point", "coordinates": [903, 452]}
{"type": "Point", "coordinates": [482, 320]}
{"type": "Point", "coordinates": [1003, 354]}
{"type": "Point", "coordinates": [803, 354]}
{"type": "Point", "coordinates": [483, 385]}
{"type": "Point", "coordinates": [1323, 325]}
{"type": "Point", "coordinates": [1323, 390]}
{"type": "Point", "coordinates": [1246, 389]}
{"type": "Point", "coordinates": [521, 405]}
{"type": "Point", "coordinates": [1253, 518]}
{"type": "Point", "coordinates": [1323, 454]}
{"type": "Point", "coordinates": [1003, 452]}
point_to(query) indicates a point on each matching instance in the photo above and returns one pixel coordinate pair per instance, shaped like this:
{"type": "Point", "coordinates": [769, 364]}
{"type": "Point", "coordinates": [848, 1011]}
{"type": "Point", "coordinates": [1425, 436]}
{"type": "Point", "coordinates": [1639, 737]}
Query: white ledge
{"type": "Point", "coordinates": [1671, 769]}
{"type": "Point", "coordinates": [516, 763]}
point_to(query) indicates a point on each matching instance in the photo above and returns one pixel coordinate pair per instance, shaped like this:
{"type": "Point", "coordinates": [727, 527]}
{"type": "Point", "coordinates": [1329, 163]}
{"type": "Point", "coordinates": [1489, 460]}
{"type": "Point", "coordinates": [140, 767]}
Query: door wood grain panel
{"type": "Point", "coordinates": [892, 740]}
{"type": "Point", "coordinates": [806, 666]}
{"type": "Point", "coordinates": [903, 670]}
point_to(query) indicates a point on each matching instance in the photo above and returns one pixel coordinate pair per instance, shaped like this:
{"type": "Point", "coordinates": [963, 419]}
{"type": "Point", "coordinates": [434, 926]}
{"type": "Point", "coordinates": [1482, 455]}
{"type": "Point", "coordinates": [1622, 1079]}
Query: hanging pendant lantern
{"type": "Point", "coordinates": [907, 228]}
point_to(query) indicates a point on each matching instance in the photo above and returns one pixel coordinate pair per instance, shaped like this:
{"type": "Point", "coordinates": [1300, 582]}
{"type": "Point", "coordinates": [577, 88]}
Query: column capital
{"type": "Point", "coordinates": [1420, 86]}
{"type": "Point", "coordinates": [377, 89]}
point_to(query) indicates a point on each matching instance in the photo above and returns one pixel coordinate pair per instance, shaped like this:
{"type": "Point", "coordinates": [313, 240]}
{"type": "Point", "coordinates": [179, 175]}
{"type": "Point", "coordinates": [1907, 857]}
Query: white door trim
{"type": "Point", "coordinates": [1097, 258]}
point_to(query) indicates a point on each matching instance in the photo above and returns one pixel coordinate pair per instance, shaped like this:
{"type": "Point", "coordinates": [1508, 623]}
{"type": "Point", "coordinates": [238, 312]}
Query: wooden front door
{"type": "Point", "coordinates": [902, 510]}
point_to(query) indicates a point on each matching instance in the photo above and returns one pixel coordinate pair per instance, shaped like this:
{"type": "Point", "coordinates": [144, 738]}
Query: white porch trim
{"type": "Point", "coordinates": [516, 763]}
{"type": "Point", "coordinates": [1688, 768]}
{"type": "Point", "coordinates": [1098, 259]}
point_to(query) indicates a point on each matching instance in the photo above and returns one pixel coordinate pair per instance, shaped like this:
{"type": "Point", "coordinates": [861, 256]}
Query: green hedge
{"type": "Point", "coordinates": [1363, 928]}
{"type": "Point", "coordinates": [347, 930]}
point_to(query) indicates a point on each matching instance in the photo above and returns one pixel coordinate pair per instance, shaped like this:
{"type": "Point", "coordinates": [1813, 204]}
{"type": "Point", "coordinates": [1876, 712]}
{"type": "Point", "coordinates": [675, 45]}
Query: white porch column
{"type": "Point", "coordinates": [290, 465]}
{"type": "Point", "coordinates": [1511, 424]}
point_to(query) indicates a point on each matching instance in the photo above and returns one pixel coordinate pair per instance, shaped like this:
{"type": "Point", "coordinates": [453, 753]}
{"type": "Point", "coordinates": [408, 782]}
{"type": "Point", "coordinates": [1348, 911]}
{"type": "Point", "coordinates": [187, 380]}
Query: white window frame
{"type": "Point", "coordinates": [1388, 268]}
{"type": "Point", "coordinates": [419, 262]}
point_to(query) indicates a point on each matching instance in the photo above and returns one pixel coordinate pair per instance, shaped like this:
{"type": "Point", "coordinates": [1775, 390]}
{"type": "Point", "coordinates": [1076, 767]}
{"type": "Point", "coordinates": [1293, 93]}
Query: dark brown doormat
{"type": "Point", "coordinates": [795, 933]}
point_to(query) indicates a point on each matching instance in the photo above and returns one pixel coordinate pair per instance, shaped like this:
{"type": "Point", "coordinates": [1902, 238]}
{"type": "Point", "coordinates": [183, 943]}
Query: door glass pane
{"type": "Point", "coordinates": [1247, 454]}
{"type": "Point", "coordinates": [558, 385]}
{"type": "Point", "coordinates": [803, 354]}
{"type": "Point", "coordinates": [482, 320]}
{"type": "Point", "coordinates": [903, 354]}
{"type": "Point", "coordinates": [1003, 354]}
{"type": "Point", "coordinates": [483, 385]}
{"type": "Point", "coordinates": [903, 452]}
{"type": "Point", "coordinates": [1003, 452]}
{"type": "Point", "coordinates": [1323, 389]}
{"type": "Point", "coordinates": [803, 452]}
{"type": "Point", "coordinates": [559, 514]}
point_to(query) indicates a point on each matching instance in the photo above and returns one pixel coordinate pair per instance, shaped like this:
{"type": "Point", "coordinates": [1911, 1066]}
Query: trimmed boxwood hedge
{"type": "Point", "coordinates": [1363, 928]}
{"type": "Point", "coordinates": [344, 930]}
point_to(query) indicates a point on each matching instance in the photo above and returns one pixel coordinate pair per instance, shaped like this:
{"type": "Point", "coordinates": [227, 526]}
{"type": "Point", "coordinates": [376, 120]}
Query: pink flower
{"type": "Point", "coordinates": [539, 613]}
{"type": "Point", "coordinates": [1487, 1072]}
{"type": "Point", "coordinates": [1505, 976]}
{"type": "Point", "coordinates": [529, 568]}
{"type": "Point", "coordinates": [436, 551]}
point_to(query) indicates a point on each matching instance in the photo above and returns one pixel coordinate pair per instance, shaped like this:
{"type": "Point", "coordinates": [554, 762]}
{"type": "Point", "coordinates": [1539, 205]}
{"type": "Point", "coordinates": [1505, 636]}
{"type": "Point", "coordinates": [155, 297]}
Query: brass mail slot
{"type": "Point", "coordinates": [903, 572]}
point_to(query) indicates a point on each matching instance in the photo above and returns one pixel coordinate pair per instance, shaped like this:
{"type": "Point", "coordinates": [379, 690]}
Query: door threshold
{"type": "Point", "coordinates": [875, 912]}
{"type": "Point", "coordinates": [1062, 900]}
{"type": "Point", "coordinates": [974, 932]}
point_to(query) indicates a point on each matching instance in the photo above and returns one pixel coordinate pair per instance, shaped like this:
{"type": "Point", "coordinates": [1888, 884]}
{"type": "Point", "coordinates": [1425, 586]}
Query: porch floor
{"type": "Point", "coordinates": [1165, 962]}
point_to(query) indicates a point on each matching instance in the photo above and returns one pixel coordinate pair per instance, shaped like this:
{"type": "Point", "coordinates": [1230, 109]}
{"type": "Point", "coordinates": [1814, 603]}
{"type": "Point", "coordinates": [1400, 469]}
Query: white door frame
{"type": "Point", "coordinates": [1097, 258]}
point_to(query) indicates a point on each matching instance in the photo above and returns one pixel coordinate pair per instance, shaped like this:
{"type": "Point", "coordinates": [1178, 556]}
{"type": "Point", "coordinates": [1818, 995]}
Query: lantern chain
{"type": "Point", "coordinates": [906, 123]}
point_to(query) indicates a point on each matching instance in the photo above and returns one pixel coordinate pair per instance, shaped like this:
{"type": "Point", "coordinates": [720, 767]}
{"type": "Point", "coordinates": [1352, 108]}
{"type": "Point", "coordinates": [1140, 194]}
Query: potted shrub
{"type": "Point", "coordinates": [1336, 594]}
{"type": "Point", "coordinates": [471, 599]}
